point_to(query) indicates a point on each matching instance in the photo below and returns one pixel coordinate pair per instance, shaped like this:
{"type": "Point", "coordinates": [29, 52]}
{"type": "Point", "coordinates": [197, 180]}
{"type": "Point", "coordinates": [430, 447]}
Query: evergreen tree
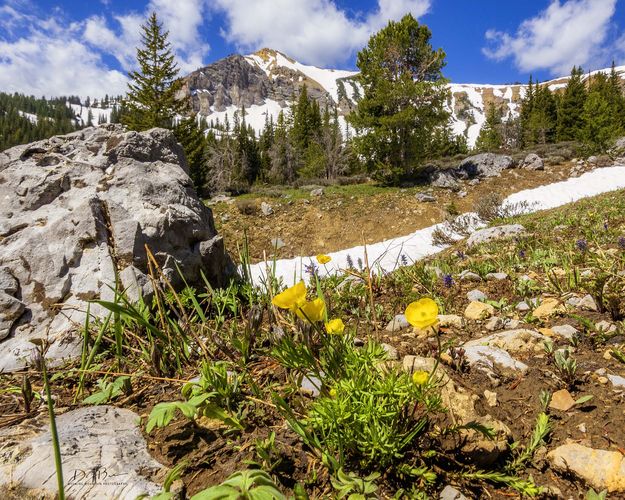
{"type": "Point", "coordinates": [151, 99]}
{"type": "Point", "coordinates": [404, 97]}
{"type": "Point", "coordinates": [490, 138]}
{"type": "Point", "coordinates": [193, 142]}
{"type": "Point", "coordinates": [601, 125]}
{"type": "Point", "coordinates": [571, 108]}
{"type": "Point", "coordinates": [541, 128]}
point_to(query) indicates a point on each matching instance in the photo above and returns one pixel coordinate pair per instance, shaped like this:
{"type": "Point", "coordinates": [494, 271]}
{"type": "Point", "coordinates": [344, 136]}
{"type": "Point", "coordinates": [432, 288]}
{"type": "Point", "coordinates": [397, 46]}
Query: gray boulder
{"type": "Point", "coordinates": [484, 165]}
{"type": "Point", "coordinates": [533, 162]}
{"type": "Point", "coordinates": [474, 167]}
{"type": "Point", "coordinates": [495, 233]}
{"type": "Point", "coordinates": [78, 210]}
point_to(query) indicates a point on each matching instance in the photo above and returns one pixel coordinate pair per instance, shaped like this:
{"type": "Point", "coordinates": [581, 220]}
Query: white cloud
{"type": "Point", "coordinates": [312, 31]}
{"type": "Point", "coordinates": [42, 64]}
{"type": "Point", "coordinates": [564, 34]}
{"type": "Point", "coordinates": [53, 57]}
{"type": "Point", "coordinates": [182, 18]}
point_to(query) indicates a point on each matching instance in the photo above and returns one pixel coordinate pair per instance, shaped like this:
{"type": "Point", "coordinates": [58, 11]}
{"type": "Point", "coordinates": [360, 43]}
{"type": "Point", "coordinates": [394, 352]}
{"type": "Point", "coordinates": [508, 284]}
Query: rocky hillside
{"type": "Point", "coordinates": [267, 81]}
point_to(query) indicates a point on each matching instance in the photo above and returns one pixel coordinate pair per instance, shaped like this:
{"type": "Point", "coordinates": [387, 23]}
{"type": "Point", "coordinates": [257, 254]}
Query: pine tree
{"type": "Point", "coordinates": [193, 142]}
{"type": "Point", "coordinates": [543, 117]}
{"type": "Point", "coordinates": [151, 99]}
{"type": "Point", "coordinates": [490, 138]}
{"type": "Point", "coordinates": [601, 126]}
{"type": "Point", "coordinates": [404, 97]}
{"type": "Point", "coordinates": [571, 108]}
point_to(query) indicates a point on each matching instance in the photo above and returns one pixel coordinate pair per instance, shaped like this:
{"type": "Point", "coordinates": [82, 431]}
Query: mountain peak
{"type": "Point", "coordinates": [267, 55]}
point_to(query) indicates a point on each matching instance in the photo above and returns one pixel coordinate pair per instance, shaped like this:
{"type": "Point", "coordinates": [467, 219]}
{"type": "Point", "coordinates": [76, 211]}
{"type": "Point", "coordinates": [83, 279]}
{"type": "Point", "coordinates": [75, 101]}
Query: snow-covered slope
{"type": "Point", "coordinates": [386, 256]}
{"type": "Point", "coordinates": [271, 82]}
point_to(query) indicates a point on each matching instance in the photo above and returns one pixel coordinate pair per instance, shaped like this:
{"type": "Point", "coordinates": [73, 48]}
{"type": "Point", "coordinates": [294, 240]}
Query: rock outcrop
{"type": "Point", "coordinates": [77, 211]}
{"type": "Point", "coordinates": [104, 456]}
{"type": "Point", "coordinates": [474, 167]}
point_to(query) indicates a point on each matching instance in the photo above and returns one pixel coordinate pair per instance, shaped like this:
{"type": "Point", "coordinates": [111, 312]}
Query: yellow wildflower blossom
{"type": "Point", "coordinates": [292, 298]}
{"type": "Point", "coordinates": [420, 377]}
{"type": "Point", "coordinates": [323, 259]}
{"type": "Point", "coordinates": [335, 326]}
{"type": "Point", "coordinates": [313, 311]}
{"type": "Point", "coordinates": [422, 313]}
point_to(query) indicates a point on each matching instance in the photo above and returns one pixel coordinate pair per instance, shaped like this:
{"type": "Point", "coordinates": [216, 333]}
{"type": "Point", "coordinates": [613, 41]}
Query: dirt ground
{"type": "Point", "coordinates": [349, 216]}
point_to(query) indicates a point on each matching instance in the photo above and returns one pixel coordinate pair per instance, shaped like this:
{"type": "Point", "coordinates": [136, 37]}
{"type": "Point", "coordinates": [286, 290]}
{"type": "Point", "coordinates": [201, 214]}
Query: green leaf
{"type": "Point", "coordinates": [584, 399]}
{"type": "Point", "coordinates": [161, 415]}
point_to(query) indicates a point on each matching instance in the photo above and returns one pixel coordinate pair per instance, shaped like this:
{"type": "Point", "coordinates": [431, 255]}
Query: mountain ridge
{"type": "Point", "coordinates": [278, 79]}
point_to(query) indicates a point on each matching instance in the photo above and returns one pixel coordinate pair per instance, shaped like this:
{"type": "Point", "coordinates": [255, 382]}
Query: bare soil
{"type": "Point", "coordinates": [348, 216]}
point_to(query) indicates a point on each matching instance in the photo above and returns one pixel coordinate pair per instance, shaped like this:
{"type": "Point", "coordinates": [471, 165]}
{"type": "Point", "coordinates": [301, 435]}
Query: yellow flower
{"type": "Point", "coordinates": [422, 313]}
{"type": "Point", "coordinates": [292, 298]}
{"type": "Point", "coordinates": [323, 259]}
{"type": "Point", "coordinates": [313, 311]}
{"type": "Point", "coordinates": [335, 326]}
{"type": "Point", "coordinates": [332, 393]}
{"type": "Point", "coordinates": [420, 377]}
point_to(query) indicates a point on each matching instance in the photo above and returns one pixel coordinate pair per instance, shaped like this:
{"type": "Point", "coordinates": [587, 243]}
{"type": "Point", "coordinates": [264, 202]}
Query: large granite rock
{"type": "Point", "coordinates": [474, 167]}
{"type": "Point", "coordinates": [78, 210]}
{"type": "Point", "coordinates": [103, 454]}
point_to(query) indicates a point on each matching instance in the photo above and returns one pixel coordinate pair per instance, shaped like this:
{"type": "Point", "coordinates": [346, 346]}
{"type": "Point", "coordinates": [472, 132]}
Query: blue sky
{"type": "Point", "coordinates": [53, 47]}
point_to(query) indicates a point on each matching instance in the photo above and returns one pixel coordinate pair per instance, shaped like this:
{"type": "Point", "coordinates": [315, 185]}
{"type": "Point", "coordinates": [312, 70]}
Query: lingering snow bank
{"type": "Point", "coordinates": [388, 255]}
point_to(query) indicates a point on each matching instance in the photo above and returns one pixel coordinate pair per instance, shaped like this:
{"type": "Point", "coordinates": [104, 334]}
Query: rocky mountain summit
{"type": "Point", "coordinates": [76, 215]}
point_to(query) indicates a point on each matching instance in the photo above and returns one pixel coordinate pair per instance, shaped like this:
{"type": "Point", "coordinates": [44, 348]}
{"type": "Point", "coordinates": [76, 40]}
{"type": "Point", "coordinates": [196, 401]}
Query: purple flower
{"type": "Point", "coordinates": [311, 269]}
{"type": "Point", "coordinates": [448, 281]}
{"type": "Point", "coordinates": [605, 225]}
{"type": "Point", "coordinates": [350, 262]}
{"type": "Point", "coordinates": [581, 245]}
{"type": "Point", "coordinates": [621, 242]}
{"type": "Point", "coordinates": [522, 254]}
{"type": "Point", "coordinates": [460, 254]}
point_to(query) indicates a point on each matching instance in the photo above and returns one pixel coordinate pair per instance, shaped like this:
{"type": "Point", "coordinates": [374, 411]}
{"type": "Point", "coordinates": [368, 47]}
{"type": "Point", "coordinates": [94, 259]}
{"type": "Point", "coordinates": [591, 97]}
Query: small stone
{"type": "Point", "coordinates": [605, 326]}
{"type": "Point", "coordinates": [310, 385]}
{"type": "Point", "coordinates": [462, 194]}
{"type": "Point", "coordinates": [565, 331]}
{"type": "Point", "coordinates": [476, 296]}
{"type": "Point", "coordinates": [512, 324]}
{"type": "Point", "coordinates": [588, 304]}
{"type": "Point", "coordinates": [548, 307]}
{"type": "Point", "coordinates": [450, 320]}
{"type": "Point", "coordinates": [277, 243]}
{"type": "Point", "coordinates": [582, 427]}
{"type": "Point", "coordinates": [266, 209]}
{"type": "Point", "coordinates": [391, 352]}
{"type": "Point", "coordinates": [522, 306]}
{"type": "Point", "coordinates": [413, 364]}
{"type": "Point", "coordinates": [469, 276]}
{"type": "Point", "coordinates": [496, 276]}
{"type": "Point", "coordinates": [601, 469]}
{"type": "Point", "coordinates": [397, 324]}
{"type": "Point", "coordinates": [479, 311]}
{"type": "Point", "coordinates": [617, 382]}
{"type": "Point", "coordinates": [602, 380]}
{"type": "Point", "coordinates": [562, 400]}
{"type": "Point", "coordinates": [573, 301]}
{"type": "Point", "coordinates": [547, 332]}
{"type": "Point", "coordinates": [493, 324]}
{"type": "Point", "coordinates": [451, 493]}
{"type": "Point", "coordinates": [317, 192]}
{"type": "Point", "coordinates": [425, 198]}
{"type": "Point", "coordinates": [491, 398]}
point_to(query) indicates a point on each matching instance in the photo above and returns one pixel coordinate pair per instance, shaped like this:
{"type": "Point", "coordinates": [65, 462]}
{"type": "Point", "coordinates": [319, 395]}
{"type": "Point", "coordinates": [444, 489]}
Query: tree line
{"type": "Point", "coordinates": [588, 110]}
